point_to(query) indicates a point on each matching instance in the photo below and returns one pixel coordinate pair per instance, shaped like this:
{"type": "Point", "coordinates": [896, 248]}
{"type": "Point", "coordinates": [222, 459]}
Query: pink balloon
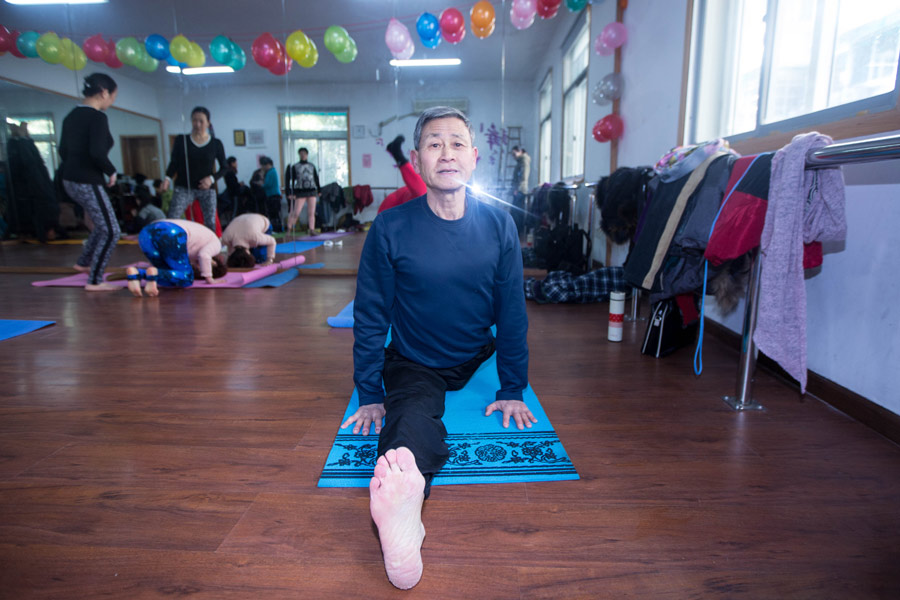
{"type": "Point", "coordinates": [601, 48]}
{"type": "Point", "coordinates": [407, 52]}
{"type": "Point", "coordinates": [265, 50]}
{"type": "Point", "coordinates": [520, 22]}
{"type": "Point", "coordinates": [95, 48]}
{"type": "Point", "coordinates": [397, 37]}
{"type": "Point", "coordinates": [6, 38]}
{"type": "Point", "coordinates": [614, 34]}
{"type": "Point", "coordinates": [452, 22]}
{"type": "Point", "coordinates": [524, 9]}
{"type": "Point", "coordinates": [282, 66]}
{"type": "Point", "coordinates": [455, 38]}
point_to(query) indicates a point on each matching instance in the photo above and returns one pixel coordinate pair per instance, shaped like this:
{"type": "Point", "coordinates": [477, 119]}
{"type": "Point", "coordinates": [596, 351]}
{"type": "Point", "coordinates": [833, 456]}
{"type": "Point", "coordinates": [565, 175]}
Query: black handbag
{"type": "Point", "coordinates": [666, 331]}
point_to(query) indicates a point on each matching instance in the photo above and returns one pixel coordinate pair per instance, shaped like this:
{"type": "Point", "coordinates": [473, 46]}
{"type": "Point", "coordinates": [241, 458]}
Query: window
{"type": "Point", "coordinates": [42, 131]}
{"type": "Point", "coordinates": [545, 143]}
{"type": "Point", "coordinates": [325, 135]}
{"type": "Point", "coordinates": [574, 83]}
{"type": "Point", "coordinates": [762, 67]}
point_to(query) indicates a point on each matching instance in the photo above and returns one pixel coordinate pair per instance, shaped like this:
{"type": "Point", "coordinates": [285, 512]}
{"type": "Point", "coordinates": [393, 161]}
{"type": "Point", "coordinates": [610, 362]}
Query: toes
{"type": "Point", "coordinates": [381, 470]}
{"type": "Point", "coordinates": [391, 457]}
{"type": "Point", "coordinates": [405, 459]}
{"type": "Point", "coordinates": [374, 484]}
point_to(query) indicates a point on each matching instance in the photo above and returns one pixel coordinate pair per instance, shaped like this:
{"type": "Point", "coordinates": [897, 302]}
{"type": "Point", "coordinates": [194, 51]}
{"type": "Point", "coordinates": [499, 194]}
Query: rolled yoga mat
{"type": "Point", "coordinates": [233, 279]}
{"type": "Point", "coordinates": [10, 328]}
{"type": "Point", "coordinates": [481, 450]}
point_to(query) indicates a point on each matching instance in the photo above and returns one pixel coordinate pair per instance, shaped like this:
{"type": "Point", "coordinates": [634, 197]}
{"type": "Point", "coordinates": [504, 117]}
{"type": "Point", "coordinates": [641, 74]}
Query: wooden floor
{"type": "Point", "coordinates": [170, 447]}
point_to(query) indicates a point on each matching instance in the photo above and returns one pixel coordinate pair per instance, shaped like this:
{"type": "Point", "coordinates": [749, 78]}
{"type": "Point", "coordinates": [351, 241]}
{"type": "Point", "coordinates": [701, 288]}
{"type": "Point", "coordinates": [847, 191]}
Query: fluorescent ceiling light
{"type": "Point", "coordinates": [426, 62]}
{"type": "Point", "coordinates": [199, 70]}
{"type": "Point", "coordinates": [27, 2]}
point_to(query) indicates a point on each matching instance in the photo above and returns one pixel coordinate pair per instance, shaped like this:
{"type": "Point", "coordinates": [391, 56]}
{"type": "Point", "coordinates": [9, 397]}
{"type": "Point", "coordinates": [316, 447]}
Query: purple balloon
{"type": "Point", "coordinates": [614, 35]}
{"type": "Point", "coordinates": [397, 37]}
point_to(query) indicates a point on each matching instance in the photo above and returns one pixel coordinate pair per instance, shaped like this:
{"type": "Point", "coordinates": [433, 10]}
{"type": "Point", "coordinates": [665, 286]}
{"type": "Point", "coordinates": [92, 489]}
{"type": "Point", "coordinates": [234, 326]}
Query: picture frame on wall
{"type": "Point", "coordinates": [256, 138]}
{"type": "Point", "coordinates": [240, 137]}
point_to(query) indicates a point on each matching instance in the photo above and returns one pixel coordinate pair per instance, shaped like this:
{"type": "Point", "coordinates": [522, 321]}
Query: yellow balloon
{"type": "Point", "coordinates": [80, 56]}
{"type": "Point", "coordinates": [197, 58]}
{"type": "Point", "coordinates": [298, 46]}
{"type": "Point", "coordinates": [67, 54]}
{"type": "Point", "coordinates": [312, 58]}
{"type": "Point", "coordinates": [180, 48]}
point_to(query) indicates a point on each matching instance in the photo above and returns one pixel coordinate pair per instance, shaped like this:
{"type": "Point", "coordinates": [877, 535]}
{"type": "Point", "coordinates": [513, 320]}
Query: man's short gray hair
{"type": "Point", "coordinates": [441, 112]}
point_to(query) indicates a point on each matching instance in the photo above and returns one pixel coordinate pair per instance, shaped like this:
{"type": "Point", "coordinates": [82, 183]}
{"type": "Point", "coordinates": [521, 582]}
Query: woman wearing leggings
{"type": "Point", "coordinates": [84, 149]}
{"type": "Point", "coordinates": [179, 251]}
{"type": "Point", "coordinates": [193, 164]}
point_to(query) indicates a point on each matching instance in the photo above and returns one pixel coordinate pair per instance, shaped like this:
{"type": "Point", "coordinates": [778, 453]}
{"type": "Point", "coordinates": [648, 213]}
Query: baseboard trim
{"type": "Point", "coordinates": [837, 396]}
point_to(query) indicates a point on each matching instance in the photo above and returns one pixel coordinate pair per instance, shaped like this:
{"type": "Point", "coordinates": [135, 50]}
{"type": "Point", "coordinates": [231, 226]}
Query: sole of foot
{"type": "Point", "coordinates": [101, 287]}
{"type": "Point", "coordinates": [134, 285]}
{"type": "Point", "coordinates": [81, 269]}
{"type": "Point", "coordinates": [150, 287]}
{"type": "Point", "coordinates": [396, 494]}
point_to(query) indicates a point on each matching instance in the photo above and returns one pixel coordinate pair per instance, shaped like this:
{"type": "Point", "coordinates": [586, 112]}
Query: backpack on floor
{"type": "Point", "coordinates": [666, 331]}
{"type": "Point", "coordinates": [563, 248]}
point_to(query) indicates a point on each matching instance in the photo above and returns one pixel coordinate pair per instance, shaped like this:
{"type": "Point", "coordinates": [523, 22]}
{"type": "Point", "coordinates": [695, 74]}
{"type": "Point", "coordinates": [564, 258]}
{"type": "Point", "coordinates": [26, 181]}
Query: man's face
{"type": "Point", "coordinates": [303, 155]}
{"type": "Point", "coordinates": [446, 156]}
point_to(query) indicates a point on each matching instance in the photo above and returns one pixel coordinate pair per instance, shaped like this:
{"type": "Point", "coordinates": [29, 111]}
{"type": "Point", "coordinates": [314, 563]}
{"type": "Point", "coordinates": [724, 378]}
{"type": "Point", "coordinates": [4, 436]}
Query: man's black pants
{"type": "Point", "coordinates": [414, 407]}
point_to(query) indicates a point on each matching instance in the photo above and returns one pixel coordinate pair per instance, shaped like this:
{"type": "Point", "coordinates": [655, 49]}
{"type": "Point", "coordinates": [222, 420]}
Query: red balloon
{"type": "Point", "coordinates": [265, 50]}
{"type": "Point", "coordinates": [282, 65]}
{"type": "Point", "coordinates": [5, 38]}
{"type": "Point", "coordinates": [455, 38]}
{"type": "Point", "coordinates": [95, 48]}
{"type": "Point", "coordinates": [13, 48]}
{"type": "Point", "coordinates": [547, 9]}
{"type": "Point", "coordinates": [598, 134]}
{"type": "Point", "coordinates": [112, 61]}
{"type": "Point", "coordinates": [611, 126]}
{"type": "Point", "coordinates": [452, 22]}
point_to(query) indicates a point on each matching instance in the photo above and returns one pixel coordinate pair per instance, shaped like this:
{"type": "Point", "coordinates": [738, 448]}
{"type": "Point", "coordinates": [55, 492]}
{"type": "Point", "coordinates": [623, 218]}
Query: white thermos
{"type": "Point", "coordinates": [616, 315]}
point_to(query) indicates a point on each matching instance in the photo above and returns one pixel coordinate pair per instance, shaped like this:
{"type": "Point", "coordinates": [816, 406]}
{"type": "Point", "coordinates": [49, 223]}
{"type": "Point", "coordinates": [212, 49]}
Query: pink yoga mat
{"type": "Point", "coordinates": [232, 280]}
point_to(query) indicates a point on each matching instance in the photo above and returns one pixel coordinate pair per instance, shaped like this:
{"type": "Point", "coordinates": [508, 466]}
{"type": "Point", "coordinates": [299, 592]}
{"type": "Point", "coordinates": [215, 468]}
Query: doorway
{"type": "Point", "coordinates": [140, 154]}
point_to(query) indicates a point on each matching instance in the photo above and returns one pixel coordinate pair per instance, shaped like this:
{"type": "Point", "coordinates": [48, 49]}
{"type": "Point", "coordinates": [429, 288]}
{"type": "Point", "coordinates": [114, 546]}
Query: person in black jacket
{"type": "Point", "coordinates": [193, 165]}
{"type": "Point", "coordinates": [301, 182]}
{"type": "Point", "coordinates": [84, 148]}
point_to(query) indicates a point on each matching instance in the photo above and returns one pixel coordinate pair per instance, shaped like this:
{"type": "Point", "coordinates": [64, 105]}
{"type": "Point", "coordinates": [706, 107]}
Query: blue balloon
{"type": "Point", "coordinates": [175, 63]}
{"type": "Point", "coordinates": [238, 57]}
{"type": "Point", "coordinates": [27, 43]}
{"type": "Point", "coordinates": [428, 28]}
{"type": "Point", "coordinates": [157, 46]}
{"type": "Point", "coordinates": [432, 44]}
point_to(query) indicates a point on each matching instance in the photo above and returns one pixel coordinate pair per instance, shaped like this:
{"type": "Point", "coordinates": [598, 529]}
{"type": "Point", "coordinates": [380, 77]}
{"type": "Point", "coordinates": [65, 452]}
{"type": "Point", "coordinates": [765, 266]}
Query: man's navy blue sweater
{"type": "Point", "coordinates": [440, 285]}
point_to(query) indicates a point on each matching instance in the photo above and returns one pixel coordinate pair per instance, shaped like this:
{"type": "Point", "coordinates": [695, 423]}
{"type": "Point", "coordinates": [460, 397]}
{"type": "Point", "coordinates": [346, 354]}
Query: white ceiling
{"type": "Point", "coordinates": [508, 53]}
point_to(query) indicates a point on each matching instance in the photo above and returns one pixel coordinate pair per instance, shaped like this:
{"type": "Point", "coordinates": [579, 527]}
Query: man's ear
{"type": "Point", "coordinates": [475, 150]}
{"type": "Point", "coordinates": [414, 159]}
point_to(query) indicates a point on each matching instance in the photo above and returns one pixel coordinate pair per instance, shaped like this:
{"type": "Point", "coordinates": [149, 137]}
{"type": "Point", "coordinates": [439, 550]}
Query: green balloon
{"type": "Point", "coordinates": [147, 64]}
{"type": "Point", "coordinates": [48, 47]}
{"type": "Point", "coordinates": [128, 51]}
{"type": "Point", "coordinates": [238, 57]}
{"type": "Point", "coordinates": [220, 49]}
{"type": "Point", "coordinates": [27, 43]}
{"type": "Point", "coordinates": [337, 40]}
{"type": "Point", "coordinates": [348, 55]}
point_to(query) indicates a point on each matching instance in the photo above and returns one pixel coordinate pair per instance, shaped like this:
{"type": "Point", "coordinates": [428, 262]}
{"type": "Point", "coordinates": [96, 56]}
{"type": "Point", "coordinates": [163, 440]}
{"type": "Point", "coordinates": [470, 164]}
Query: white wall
{"type": "Point", "coordinates": [256, 107]}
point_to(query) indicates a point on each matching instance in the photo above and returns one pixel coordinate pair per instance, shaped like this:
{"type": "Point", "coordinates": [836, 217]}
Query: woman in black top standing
{"type": "Point", "coordinates": [84, 148]}
{"type": "Point", "coordinates": [193, 165]}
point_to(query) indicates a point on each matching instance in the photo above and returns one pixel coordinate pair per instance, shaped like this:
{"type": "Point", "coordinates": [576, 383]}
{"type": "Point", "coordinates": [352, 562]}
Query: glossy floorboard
{"type": "Point", "coordinates": [170, 447]}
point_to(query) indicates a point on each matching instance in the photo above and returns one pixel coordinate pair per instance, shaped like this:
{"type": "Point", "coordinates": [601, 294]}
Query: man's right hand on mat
{"type": "Point", "coordinates": [512, 408]}
{"type": "Point", "coordinates": [368, 414]}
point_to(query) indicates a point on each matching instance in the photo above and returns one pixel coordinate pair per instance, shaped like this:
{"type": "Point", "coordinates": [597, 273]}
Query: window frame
{"type": "Point", "coordinates": [869, 116]}
{"type": "Point", "coordinates": [344, 135]}
{"type": "Point", "coordinates": [581, 26]}
{"type": "Point", "coordinates": [543, 177]}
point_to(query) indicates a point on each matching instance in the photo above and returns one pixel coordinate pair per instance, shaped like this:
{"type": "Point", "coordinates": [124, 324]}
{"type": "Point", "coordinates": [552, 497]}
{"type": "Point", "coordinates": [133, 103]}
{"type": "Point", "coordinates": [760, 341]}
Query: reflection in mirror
{"type": "Point", "coordinates": [28, 175]}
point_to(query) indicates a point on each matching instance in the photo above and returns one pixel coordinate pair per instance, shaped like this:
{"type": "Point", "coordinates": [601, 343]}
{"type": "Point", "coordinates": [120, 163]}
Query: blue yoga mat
{"type": "Point", "coordinates": [481, 450]}
{"type": "Point", "coordinates": [296, 247]}
{"type": "Point", "coordinates": [343, 318]}
{"type": "Point", "coordinates": [10, 328]}
{"type": "Point", "coordinates": [279, 279]}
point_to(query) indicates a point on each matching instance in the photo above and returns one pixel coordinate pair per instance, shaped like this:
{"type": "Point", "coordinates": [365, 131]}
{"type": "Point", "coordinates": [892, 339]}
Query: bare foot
{"type": "Point", "coordinates": [150, 287]}
{"type": "Point", "coordinates": [81, 269]}
{"type": "Point", "coordinates": [101, 287]}
{"type": "Point", "coordinates": [396, 494]}
{"type": "Point", "coordinates": [134, 285]}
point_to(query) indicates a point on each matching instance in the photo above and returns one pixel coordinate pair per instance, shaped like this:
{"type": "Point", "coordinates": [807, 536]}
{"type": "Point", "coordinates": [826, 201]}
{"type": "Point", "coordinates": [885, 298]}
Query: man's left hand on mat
{"type": "Point", "coordinates": [512, 408]}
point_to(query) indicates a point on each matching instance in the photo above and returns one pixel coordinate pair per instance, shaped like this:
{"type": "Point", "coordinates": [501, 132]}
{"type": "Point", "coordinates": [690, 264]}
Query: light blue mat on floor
{"type": "Point", "coordinates": [10, 328]}
{"type": "Point", "coordinates": [343, 318]}
{"type": "Point", "coordinates": [296, 247]}
{"type": "Point", "coordinates": [481, 450]}
{"type": "Point", "coordinates": [279, 279]}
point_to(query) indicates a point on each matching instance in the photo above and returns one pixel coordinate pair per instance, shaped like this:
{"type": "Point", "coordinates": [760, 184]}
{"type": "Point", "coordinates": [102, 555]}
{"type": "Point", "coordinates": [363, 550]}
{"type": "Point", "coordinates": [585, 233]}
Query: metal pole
{"type": "Point", "coordinates": [635, 306]}
{"type": "Point", "coordinates": [747, 364]}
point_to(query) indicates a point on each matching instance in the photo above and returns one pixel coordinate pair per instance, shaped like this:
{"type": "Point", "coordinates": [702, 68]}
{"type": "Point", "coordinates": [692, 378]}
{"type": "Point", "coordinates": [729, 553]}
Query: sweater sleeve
{"type": "Point", "coordinates": [288, 179]}
{"type": "Point", "coordinates": [98, 146]}
{"type": "Point", "coordinates": [371, 315]}
{"type": "Point", "coordinates": [220, 158]}
{"type": "Point", "coordinates": [177, 156]}
{"type": "Point", "coordinates": [205, 256]}
{"type": "Point", "coordinates": [316, 176]}
{"type": "Point", "coordinates": [511, 318]}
